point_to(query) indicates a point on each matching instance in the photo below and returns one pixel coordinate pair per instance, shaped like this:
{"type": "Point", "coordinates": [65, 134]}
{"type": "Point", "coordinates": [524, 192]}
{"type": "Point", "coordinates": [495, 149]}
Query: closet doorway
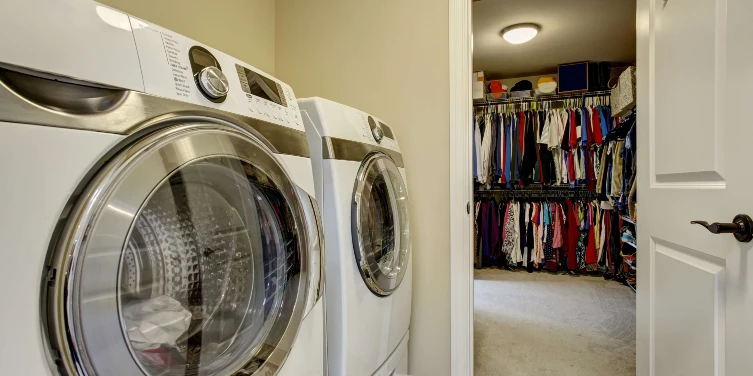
{"type": "Point", "coordinates": [554, 170]}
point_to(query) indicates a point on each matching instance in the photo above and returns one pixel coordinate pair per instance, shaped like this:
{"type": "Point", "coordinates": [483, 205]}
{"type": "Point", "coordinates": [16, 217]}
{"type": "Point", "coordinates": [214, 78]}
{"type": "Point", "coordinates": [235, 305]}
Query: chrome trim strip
{"type": "Point", "coordinates": [27, 99]}
{"type": "Point", "coordinates": [348, 150]}
{"type": "Point", "coordinates": [314, 249]}
{"type": "Point", "coordinates": [321, 244]}
{"type": "Point", "coordinates": [322, 280]}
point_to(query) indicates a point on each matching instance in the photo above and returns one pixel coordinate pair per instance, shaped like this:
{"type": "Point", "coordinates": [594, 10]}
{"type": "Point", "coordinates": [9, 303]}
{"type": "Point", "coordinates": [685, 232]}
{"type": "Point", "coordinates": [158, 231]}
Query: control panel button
{"type": "Point", "coordinates": [213, 82]}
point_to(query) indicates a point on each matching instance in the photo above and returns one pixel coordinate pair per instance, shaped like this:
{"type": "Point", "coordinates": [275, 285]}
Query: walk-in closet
{"type": "Point", "coordinates": [554, 170]}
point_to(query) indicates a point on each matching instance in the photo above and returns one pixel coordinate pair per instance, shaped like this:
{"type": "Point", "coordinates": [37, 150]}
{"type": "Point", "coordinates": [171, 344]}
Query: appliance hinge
{"type": "Point", "coordinates": [51, 275]}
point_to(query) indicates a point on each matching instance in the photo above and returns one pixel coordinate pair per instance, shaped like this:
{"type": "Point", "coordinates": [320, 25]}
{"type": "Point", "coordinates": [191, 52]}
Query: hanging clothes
{"type": "Point", "coordinates": [571, 235]}
{"type": "Point", "coordinates": [550, 147]}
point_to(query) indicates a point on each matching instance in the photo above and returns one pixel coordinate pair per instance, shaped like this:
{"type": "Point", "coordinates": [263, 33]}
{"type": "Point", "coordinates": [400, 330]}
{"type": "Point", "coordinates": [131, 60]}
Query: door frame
{"type": "Point", "coordinates": [461, 189]}
{"type": "Point", "coordinates": [461, 182]}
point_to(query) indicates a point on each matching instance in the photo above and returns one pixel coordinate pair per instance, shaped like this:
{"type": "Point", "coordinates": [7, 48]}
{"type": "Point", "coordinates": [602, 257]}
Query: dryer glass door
{"type": "Point", "coordinates": [192, 259]}
{"type": "Point", "coordinates": [380, 224]}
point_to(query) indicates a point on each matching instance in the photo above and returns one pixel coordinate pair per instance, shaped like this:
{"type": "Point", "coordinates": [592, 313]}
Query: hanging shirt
{"type": "Point", "coordinates": [573, 235]}
{"type": "Point", "coordinates": [564, 118]}
{"type": "Point", "coordinates": [508, 150]}
{"type": "Point", "coordinates": [509, 239]}
{"type": "Point", "coordinates": [521, 147]}
{"type": "Point", "coordinates": [553, 142]}
{"type": "Point", "coordinates": [545, 136]}
{"type": "Point", "coordinates": [486, 143]}
{"type": "Point", "coordinates": [559, 224]}
{"type": "Point", "coordinates": [574, 127]}
{"type": "Point", "coordinates": [596, 119]}
{"type": "Point", "coordinates": [603, 232]}
{"type": "Point", "coordinates": [503, 149]}
{"type": "Point", "coordinates": [591, 255]}
{"type": "Point", "coordinates": [494, 149]}
{"type": "Point", "coordinates": [476, 148]}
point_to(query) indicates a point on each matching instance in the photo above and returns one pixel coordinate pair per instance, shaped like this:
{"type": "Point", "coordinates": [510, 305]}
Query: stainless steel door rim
{"type": "Point", "coordinates": [84, 305]}
{"type": "Point", "coordinates": [380, 226]}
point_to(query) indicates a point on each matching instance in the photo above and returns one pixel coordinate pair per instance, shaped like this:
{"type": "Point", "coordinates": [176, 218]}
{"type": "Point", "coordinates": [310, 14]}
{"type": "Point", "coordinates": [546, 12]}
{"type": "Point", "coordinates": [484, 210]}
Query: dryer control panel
{"type": "Point", "coordinates": [176, 67]}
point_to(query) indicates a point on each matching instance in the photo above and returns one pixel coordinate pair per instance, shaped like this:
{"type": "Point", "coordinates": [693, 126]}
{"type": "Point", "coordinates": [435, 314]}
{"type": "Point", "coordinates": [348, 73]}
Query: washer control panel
{"type": "Point", "coordinates": [371, 130]}
{"type": "Point", "coordinates": [177, 67]}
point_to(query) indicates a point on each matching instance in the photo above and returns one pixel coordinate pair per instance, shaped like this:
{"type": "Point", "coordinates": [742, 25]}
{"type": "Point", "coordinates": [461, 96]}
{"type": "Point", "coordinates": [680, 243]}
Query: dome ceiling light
{"type": "Point", "coordinates": [520, 33]}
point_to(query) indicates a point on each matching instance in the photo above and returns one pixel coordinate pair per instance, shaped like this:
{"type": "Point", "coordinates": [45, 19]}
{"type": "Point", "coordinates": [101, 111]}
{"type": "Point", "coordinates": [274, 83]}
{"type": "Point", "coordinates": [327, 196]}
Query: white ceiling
{"type": "Point", "coordinates": [571, 31]}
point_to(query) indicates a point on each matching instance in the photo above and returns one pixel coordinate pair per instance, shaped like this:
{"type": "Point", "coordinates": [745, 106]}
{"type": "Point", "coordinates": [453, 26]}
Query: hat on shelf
{"type": "Point", "coordinates": [496, 89]}
{"type": "Point", "coordinates": [522, 85]}
{"type": "Point", "coordinates": [547, 85]}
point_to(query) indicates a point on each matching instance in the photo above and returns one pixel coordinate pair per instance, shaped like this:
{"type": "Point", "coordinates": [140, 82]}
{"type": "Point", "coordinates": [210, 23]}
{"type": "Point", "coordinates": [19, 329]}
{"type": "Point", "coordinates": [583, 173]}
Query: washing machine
{"type": "Point", "coordinates": [157, 209]}
{"type": "Point", "coordinates": [361, 186]}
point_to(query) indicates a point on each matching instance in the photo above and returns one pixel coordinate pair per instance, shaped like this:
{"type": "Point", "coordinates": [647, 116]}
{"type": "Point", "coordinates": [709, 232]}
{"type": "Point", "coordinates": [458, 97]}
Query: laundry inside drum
{"type": "Point", "coordinates": [203, 270]}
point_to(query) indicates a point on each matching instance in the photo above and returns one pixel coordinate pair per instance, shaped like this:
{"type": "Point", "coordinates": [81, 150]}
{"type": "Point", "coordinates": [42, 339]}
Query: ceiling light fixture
{"type": "Point", "coordinates": [520, 33]}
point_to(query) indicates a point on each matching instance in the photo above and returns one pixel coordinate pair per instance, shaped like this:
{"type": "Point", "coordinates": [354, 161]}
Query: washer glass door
{"type": "Point", "coordinates": [380, 224]}
{"type": "Point", "coordinates": [203, 273]}
{"type": "Point", "coordinates": [186, 257]}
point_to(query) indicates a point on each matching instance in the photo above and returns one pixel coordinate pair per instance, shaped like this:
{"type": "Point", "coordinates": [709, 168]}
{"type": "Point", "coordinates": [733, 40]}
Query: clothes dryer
{"type": "Point", "coordinates": [360, 184]}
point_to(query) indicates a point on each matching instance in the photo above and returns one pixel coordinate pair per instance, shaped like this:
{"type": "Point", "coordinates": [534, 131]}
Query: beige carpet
{"type": "Point", "coordinates": [543, 324]}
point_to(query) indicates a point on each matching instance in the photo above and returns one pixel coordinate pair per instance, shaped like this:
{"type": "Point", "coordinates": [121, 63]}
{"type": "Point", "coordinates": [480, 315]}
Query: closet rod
{"type": "Point", "coordinates": [561, 192]}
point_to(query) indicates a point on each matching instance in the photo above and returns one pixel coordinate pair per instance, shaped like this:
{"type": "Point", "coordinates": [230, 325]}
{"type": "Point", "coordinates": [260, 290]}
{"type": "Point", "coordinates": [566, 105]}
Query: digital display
{"type": "Point", "coordinates": [257, 85]}
{"type": "Point", "coordinates": [202, 58]}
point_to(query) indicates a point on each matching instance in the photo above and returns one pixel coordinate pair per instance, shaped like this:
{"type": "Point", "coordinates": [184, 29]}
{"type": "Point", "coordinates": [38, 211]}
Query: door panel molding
{"type": "Point", "coordinates": [681, 158]}
{"type": "Point", "coordinates": [689, 291]}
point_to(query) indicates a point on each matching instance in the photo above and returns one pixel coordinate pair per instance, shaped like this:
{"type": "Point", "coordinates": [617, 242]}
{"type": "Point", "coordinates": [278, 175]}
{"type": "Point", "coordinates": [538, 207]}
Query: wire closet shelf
{"type": "Point", "coordinates": [532, 99]}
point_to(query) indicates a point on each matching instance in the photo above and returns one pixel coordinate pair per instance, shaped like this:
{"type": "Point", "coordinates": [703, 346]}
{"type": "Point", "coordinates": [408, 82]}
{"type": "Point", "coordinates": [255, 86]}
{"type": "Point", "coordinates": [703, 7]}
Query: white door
{"type": "Point", "coordinates": [695, 289]}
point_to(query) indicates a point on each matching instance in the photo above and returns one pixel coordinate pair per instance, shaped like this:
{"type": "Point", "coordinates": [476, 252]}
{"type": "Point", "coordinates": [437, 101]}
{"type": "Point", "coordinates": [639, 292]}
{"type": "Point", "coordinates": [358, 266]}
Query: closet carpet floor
{"type": "Point", "coordinates": [545, 324]}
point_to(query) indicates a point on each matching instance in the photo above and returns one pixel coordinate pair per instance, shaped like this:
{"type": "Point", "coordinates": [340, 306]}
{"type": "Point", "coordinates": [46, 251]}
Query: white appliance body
{"type": "Point", "coordinates": [55, 143]}
{"type": "Point", "coordinates": [367, 332]}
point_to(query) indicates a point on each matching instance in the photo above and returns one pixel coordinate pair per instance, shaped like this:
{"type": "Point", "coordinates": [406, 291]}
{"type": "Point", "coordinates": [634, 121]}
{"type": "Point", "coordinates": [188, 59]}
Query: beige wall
{"type": "Point", "coordinates": [389, 58]}
{"type": "Point", "coordinates": [244, 29]}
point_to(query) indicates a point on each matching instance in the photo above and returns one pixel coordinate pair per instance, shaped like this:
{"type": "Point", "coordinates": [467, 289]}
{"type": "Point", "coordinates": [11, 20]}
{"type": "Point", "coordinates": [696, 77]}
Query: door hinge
{"type": "Point", "coordinates": [468, 207]}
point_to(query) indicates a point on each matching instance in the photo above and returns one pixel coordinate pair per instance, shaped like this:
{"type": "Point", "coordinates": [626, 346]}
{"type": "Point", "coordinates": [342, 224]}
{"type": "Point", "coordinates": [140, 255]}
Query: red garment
{"type": "Point", "coordinates": [596, 121]}
{"type": "Point", "coordinates": [559, 226]}
{"type": "Point", "coordinates": [590, 158]}
{"type": "Point", "coordinates": [591, 256]}
{"type": "Point", "coordinates": [573, 131]}
{"type": "Point", "coordinates": [573, 234]}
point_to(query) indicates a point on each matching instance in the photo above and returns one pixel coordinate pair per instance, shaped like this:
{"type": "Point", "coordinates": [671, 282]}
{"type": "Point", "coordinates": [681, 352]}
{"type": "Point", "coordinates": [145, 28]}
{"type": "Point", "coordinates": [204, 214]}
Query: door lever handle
{"type": "Point", "coordinates": [741, 227]}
